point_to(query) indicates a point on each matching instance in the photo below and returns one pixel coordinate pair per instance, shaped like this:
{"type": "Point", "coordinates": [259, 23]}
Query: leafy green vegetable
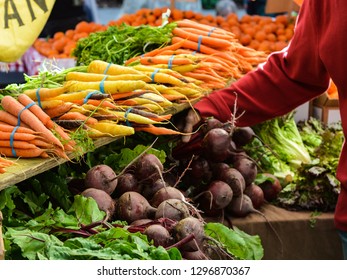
{"type": "Point", "coordinates": [114, 244]}
{"type": "Point", "coordinates": [52, 236]}
{"type": "Point", "coordinates": [237, 243]}
{"type": "Point", "coordinates": [269, 161]}
{"type": "Point", "coordinates": [120, 43]}
{"type": "Point", "coordinates": [49, 78]}
{"type": "Point", "coordinates": [316, 186]}
{"type": "Point", "coordinates": [283, 136]}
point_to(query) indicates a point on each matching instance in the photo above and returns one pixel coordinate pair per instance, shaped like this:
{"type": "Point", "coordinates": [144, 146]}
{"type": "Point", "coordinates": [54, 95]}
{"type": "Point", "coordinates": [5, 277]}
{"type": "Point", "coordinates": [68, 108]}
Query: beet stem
{"type": "Point", "coordinates": [182, 242]}
{"type": "Point", "coordinates": [134, 160]}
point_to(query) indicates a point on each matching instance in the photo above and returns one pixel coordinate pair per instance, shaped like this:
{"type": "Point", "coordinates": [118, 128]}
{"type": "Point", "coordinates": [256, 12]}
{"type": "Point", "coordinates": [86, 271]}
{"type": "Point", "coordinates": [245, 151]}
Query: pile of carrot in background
{"type": "Point", "coordinates": [258, 32]}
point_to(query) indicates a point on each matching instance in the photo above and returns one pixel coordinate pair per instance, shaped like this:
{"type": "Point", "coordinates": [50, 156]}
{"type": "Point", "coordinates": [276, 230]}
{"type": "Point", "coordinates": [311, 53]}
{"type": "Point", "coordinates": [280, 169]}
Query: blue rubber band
{"type": "Point", "coordinates": [16, 127]}
{"type": "Point", "coordinates": [126, 116]}
{"type": "Point", "coordinates": [85, 100]}
{"type": "Point", "coordinates": [210, 32]}
{"type": "Point", "coordinates": [153, 74]}
{"type": "Point", "coordinates": [108, 67]}
{"type": "Point", "coordinates": [21, 111]}
{"type": "Point", "coordinates": [38, 97]}
{"type": "Point", "coordinates": [11, 141]}
{"type": "Point", "coordinates": [102, 84]}
{"type": "Point", "coordinates": [170, 61]}
{"type": "Point", "coordinates": [199, 43]}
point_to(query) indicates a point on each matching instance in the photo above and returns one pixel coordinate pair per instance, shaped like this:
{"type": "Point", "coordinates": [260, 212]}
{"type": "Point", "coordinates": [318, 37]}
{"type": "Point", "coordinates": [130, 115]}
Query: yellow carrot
{"type": "Point", "coordinates": [102, 67]}
{"type": "Point", "coordinates": [71, 96]}
{"type": "Point", "coordinates": [108, 87]}
{"type": "Point", "coordinates": [94, 77]}
{"type": "Point", "coordinates": [44, 93]}
{"type": "Point", "coordinates": [131, 117]}
{"type": "Point", "coordinates": [110, 128]}
{"type": "Point", "coordinates": [49, 104]}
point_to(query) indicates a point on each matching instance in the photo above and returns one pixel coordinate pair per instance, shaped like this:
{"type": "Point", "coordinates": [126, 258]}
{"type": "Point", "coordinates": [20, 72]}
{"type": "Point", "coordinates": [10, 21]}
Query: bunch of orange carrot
{"type": "Point", "coordinates": [27, 131]}
{"type": "Point", "coordinates": [207, 54]}
{"type": "Point", "coordinates": [4, 163]}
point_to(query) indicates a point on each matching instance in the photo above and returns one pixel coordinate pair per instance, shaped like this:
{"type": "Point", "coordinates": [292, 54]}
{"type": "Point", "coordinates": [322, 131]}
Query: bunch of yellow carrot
{"type": "Point", "coordinates": [207, 54]}
{"type": "Point", "coordinates": [113, 100]}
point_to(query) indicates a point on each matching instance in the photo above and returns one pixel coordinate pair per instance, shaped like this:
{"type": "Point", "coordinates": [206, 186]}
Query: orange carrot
{"type": "Point", "coordinates": [25, 100]}
{"type": "Point", "coordinates": [200, 26]}
{"type": "Point", "coordinates": [215, 43]}
{"type": "Point", "coordinates": [10, 128]}
{"type": "Point", "coordinates": [194, 46]}
{"type": "Point", "coordinates": [46, 120]}
{"type": "Point", "coordinates": [203, 77]}
{"type": "Point", "coordinates": [157, 130]}
{"type": "Point", "coordinates": [10, 119]}
{"type": "Point", "coordinates": [59, 110]}
{"type": "Point", "coordinates": [165, 60]}
{"type": "Point", "coordinates": [41, 143]}
{"type": "Point", "coordinates": [18, 136]}
{"type": "Point", "coordinates": [24, 153]}
{"type": "Point", "coordinates": [5, 162]}
{"type": "Point", "coordinates": [211, 33]}
{"type": "Point", "coordinates": [155, 52]}
{"type": "Point", "coordinates": [14, 107]}
{"type": "Point", "coordinates": [102, 103]}
{"type": "Point", "coordinates": [17, 144]}
{"type": "Point", "coordinates": [78, 116]}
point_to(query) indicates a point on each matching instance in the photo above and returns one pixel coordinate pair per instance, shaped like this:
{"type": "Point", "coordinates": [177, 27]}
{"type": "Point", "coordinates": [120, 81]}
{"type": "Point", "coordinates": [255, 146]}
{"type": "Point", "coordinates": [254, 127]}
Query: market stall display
{"type": "Point", "coordinates": [137, 91]}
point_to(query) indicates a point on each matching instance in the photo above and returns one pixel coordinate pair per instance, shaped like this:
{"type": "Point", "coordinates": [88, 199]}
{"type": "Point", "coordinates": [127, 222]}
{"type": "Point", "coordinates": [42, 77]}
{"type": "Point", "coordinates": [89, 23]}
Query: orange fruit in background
{"type": "Point", "coordinates": [260, 36]}
{"type": "Point", "coordinates": [246, 18]}
{"type": "Point", "coordinates": [245, 39]}
{"type": "Point", "coordinates": [271, 37]}
{"type": "Point", "coordinates": [282, 19]}
{"type": "Point", "coordinates": [282, 38]}
{"type": "Point", "coordinates": [264, 46]}
{"type": "Point", "coordinates": [254, 44]}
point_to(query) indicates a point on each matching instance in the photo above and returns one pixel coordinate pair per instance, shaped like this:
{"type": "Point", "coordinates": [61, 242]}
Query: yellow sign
{"type": "Point", "coordinates": [21, 22]}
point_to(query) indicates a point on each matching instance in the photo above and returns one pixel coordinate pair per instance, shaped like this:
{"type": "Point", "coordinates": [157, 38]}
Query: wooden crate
{"type": "Point", "coordinates": [326, 109]}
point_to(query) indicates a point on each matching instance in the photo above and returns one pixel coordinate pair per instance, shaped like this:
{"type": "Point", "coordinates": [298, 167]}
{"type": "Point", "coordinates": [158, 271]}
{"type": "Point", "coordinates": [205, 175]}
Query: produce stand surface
{"type": "Point", "coordinates": [304, 237]}
{"type": "Point", "coordinates": [26, 168]}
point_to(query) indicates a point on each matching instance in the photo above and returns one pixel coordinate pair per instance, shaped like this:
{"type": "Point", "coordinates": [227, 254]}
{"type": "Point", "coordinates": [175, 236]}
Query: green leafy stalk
{"type": "Point", "coordinates": [120, 43]}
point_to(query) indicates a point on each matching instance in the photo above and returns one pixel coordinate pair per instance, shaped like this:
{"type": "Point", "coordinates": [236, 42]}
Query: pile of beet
{"type": "Point", "coordinates": [143, 196]}
{"type": "Point", "coordinates": [221, 175]}
{"type": "Point", "coordinates": [213, 176]}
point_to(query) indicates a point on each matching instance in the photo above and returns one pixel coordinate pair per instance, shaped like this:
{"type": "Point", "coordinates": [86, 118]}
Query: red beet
{"type": "Point", "coordinates": [103, 200]}
{"type": "Point", "coordinates": [101, 177]}
{"type": "Point", "coordinates": [132, 206]}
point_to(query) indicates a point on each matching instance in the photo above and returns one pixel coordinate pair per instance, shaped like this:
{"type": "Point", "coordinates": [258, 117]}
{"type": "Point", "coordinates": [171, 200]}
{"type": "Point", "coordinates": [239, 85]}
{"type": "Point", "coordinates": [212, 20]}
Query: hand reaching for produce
{"type": "Point", "coordinates": [192, 118]}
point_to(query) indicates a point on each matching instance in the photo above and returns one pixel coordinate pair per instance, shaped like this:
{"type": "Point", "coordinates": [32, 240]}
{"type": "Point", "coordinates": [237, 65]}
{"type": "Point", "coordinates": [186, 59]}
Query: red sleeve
{"type": "Point", "coordinates": [286, 80]}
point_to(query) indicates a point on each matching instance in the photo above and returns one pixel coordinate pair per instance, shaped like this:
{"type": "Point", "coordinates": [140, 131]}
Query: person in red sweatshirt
{"type": "Point", "coordinates": [289, 78]}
